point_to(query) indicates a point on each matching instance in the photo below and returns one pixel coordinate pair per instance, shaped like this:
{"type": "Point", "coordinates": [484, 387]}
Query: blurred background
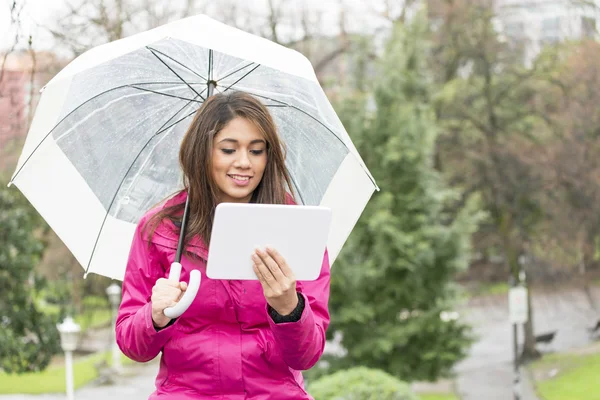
{"type": "Point", "coordinates": [479, 119]}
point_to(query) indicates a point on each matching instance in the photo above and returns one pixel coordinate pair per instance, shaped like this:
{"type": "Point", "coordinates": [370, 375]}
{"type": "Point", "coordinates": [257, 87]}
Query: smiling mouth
{"type": "Point", "coordinates": [241, 178]}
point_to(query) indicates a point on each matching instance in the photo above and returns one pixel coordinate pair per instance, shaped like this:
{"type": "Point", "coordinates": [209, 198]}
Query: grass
{"type": "Point", "coordinates": [489, 289]}
{"type": "Point", "coordinates": [93, 319]}
{"type": "Point", "coordinates": [52, 380]}
{"type": "Point", "coordinates": [568, 376]}
{"type": "Point", "coordinates": [437, 396]}
{"type": "Point", "coordinates": [96, 313]}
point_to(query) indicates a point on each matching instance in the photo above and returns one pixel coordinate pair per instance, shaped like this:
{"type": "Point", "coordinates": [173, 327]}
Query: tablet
{"type": "Point", "coordinates": [298, 233]}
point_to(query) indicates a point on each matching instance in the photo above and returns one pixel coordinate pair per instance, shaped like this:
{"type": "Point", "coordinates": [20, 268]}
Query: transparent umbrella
{"type": "Point", "coordinates": [103, 145]}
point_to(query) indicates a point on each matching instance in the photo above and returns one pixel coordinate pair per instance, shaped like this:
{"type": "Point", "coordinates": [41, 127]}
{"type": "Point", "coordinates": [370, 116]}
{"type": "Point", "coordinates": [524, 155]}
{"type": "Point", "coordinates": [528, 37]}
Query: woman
{"type": "Point", "coordinates": [238, 339]}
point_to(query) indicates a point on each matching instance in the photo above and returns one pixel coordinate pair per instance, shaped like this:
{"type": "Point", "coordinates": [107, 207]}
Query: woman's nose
{"type": "Point", "coordinates": [243, 161]}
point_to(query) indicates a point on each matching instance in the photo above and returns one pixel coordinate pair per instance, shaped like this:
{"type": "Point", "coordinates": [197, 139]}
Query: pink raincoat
{"type": "Point", "coordinates": [225, 346]}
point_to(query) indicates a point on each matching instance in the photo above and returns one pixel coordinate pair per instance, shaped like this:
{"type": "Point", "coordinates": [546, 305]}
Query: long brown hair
{"type": "Point", "coordinates": [195, 158]}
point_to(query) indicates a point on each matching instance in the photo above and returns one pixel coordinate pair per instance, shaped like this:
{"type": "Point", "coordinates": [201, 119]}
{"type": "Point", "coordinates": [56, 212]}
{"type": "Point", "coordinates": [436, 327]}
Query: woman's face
{"type": "Point", "coordinates": [239, 158]}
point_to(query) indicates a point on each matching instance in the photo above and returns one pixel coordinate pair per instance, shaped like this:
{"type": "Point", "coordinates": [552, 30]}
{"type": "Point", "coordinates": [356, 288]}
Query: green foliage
{"type": "Point", "coordinates": [437, 396]}
{"type": "Point", "coordinates": [393, 279]}
{"type": "Point", "coordinates": [28, 337]}
{"type": "Point", "coordinates": [360, 384]}
{"type": "Point", "coordinates": [574, 376]}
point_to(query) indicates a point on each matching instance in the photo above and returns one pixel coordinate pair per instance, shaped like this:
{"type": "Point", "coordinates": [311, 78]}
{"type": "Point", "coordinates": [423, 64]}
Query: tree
{"type": "Point", "coordinates": [28, 337]}
{"type": "Point", "coordinates": [570, 107]}
{"type": "Point", "coordinates": [391, 288]}
{"type": "Point", "coordinates": [293, 24]}
{"type": "Point", "coordinates": [492, 140]}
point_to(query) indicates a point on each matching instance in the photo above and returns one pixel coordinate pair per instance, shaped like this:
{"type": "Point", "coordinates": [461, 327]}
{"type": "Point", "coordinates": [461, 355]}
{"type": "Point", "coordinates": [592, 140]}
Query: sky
{"type": "Point", "coordinates": [35, 12]}
{"type": "Point", "coordinates": [39, 13]}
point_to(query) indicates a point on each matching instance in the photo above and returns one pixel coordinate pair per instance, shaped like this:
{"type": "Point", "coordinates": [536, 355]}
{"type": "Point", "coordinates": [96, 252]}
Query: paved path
{"type": "Point", "coordinates": [487, 373]}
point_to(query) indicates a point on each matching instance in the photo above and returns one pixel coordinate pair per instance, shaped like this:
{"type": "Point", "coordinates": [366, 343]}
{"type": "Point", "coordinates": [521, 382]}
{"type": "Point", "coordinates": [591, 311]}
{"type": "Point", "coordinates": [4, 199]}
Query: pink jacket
{"type": "Point", "coordinates": [225, 346]}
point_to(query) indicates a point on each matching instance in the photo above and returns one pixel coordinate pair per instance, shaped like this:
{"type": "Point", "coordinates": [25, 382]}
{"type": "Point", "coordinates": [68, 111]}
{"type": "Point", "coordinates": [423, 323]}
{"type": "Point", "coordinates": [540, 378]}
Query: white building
{"type": "Point", "coordinates": [536, 23]}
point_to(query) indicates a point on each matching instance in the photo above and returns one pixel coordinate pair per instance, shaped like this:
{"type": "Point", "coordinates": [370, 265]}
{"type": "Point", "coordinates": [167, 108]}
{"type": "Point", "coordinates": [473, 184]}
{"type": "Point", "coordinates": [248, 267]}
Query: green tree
{"type": "Point", "coordinates": [28, 337]}
{"type": "Point", "coordinates": [493, 138]}
{"type": "Point", "coordinates": [393, 282]}
{"type": "Point", "coordinates": [360, 383]}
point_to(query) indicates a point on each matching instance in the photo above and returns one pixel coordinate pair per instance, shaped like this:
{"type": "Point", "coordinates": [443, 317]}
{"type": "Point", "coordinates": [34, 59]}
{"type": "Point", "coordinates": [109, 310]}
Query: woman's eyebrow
{"type": "Point", "coordinates": [236, 141]}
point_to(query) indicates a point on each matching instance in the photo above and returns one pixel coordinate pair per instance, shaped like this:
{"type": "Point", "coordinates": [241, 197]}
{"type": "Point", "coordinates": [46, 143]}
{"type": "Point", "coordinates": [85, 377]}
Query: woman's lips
{"type": "Point", "coordinates": [240, 180]}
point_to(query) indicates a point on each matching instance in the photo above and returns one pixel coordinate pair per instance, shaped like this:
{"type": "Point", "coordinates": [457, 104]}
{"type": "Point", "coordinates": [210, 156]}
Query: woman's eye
{"type": "Point", "coordinates": [257, 152]}
{"type": "Point", "coordinates": [228, 151]}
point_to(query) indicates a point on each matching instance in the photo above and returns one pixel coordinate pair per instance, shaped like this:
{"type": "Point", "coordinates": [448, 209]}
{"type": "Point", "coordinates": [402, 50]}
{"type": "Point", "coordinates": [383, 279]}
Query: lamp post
{"type": "Point", "coordinates": [114, 297]}
{"type": "Point", "coordinates": [69, 335]}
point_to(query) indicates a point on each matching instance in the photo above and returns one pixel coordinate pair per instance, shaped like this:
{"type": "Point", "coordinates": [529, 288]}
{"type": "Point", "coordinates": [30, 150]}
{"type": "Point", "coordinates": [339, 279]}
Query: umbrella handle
{"type": "Point", "coordinates": [188, 296]}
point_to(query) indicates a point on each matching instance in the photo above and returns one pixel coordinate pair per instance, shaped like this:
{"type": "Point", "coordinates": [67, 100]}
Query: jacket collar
{"type": "Point", "coordinates": [167, 234]}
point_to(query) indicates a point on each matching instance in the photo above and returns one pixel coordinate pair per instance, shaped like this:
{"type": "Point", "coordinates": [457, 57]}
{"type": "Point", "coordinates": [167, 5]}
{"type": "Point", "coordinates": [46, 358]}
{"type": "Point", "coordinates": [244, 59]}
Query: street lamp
{"type": "Point", "coordinates": [69, 335]}
{"type": "Point", "coordinates": [114, 297]}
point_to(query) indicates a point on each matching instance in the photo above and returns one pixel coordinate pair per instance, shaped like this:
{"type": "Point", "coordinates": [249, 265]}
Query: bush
{"type": "Point", "coordinates": [360, 384]}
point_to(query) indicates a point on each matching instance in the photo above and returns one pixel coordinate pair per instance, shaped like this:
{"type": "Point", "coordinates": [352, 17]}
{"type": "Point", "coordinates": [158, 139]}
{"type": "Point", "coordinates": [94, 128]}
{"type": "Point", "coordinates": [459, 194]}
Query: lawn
{"type": "Point", "coordinates": [52, 380]}
{"type": "Point", "coordinates": [437, 396]}
{"type": "Point", "coordinates": [95, 318]}
{"type": "Point", "coordinates": [488, 289]}
{"type": "Point", "coordinates": [96, 313]}
{"type": "Point", "coordinates": [568, 376]}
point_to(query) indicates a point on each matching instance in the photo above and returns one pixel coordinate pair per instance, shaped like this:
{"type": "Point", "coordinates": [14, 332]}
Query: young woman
{"type": "Point", "coordinates": [239, 339]}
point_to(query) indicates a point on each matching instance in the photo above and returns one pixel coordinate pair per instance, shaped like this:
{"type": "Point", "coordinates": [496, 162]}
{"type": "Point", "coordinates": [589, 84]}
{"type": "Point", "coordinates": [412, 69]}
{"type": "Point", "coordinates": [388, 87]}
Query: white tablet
{"type": "Point", "coordinates": [298, 233]}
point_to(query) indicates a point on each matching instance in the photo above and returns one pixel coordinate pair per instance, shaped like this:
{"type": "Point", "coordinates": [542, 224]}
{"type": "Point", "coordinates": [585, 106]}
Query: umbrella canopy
{"type": "Point", "coordinates": [103, 145]}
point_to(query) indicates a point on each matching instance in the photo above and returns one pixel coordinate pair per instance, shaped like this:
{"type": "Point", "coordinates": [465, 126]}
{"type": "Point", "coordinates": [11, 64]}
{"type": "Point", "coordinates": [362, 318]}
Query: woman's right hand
{"type": "Point", "coordinates": [165, 293]}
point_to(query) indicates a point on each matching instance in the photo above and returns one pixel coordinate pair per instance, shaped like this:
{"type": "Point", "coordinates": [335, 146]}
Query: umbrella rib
{"type": "Point", "coordinates": [144, 163]}
{"type": "Point", "coordinates": [174, 115]}
{"type": "Point", "coordinates": [68, 115]}
{"type": "Point", "coordinates": [297, 189]}
{"type": "Point", "coordinates": [174, 73]}
{"type": "Point", "coordinates": [161, 130]}
{"type": "Point", "coordinates": [236, 71]}
{"type": "Point", "coordinates": [165, 94]}
{"type": "Point", "coordinates": [174, 60]}
{"type": "Point", "coordinates": [210, 64]}
{"type": "Point", "coordinates": [319, 122]}
{"type": "Point", "coordinates": [175, 123]}
{"type": "Point", "coordinates": [284, 104]}
{"type": "Point", "coordinates": [245, 75]}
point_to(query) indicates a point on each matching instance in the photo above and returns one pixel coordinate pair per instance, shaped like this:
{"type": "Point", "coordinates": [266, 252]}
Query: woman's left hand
{"type": "Point", "coordinates": [277, 280]}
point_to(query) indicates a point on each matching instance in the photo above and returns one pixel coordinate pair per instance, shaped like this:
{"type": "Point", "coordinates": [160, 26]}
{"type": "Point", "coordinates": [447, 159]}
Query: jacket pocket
{"type": "Point", "coordinates": [191, 355]}
{"type": "Point", "coordinates": [280, 369]}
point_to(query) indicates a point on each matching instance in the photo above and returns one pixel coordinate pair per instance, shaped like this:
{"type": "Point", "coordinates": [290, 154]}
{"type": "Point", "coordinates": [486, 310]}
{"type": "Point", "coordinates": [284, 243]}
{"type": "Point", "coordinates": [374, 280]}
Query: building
{"type": "Point", "coordinates": [537, 23]}
{"type": "Point", "coordinates": [19, 93]}
{"type": "Point", "coordinates": [13, 102]}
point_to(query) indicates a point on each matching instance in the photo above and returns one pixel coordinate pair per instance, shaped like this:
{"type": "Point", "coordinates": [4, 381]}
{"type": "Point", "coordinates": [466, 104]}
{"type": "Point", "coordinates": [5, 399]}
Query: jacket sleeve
{"type": "Point", "coordinates": [302, 343]}
{"type": "Point", "coordinates": [135, 332]}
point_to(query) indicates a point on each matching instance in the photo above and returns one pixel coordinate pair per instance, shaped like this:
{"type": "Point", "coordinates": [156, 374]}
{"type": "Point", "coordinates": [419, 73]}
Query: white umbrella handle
{"type": "Point", "coordinates": [188, 296]}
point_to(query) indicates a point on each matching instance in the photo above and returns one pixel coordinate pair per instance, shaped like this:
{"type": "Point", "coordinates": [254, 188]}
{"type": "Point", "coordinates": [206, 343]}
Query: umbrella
{"type": "Point", "coordinates": [103, 145]}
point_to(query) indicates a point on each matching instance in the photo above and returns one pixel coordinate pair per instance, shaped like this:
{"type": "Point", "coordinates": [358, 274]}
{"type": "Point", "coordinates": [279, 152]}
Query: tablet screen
{"type": "Point", "coordinates": [298, 233]}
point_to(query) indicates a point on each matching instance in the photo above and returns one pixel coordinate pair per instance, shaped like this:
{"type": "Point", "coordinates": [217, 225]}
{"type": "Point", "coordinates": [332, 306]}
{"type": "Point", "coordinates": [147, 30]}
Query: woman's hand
{"type": "Point", "coordinates": [165, 293]}
{"type": "Point", "coordinates": [277, 280]}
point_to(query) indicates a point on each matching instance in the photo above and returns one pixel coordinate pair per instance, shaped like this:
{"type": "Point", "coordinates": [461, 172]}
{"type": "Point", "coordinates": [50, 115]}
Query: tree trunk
{"type": "Point", "coordinates": [530, 352]}
{"type": "Point", "coordinates": [512, 252]}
